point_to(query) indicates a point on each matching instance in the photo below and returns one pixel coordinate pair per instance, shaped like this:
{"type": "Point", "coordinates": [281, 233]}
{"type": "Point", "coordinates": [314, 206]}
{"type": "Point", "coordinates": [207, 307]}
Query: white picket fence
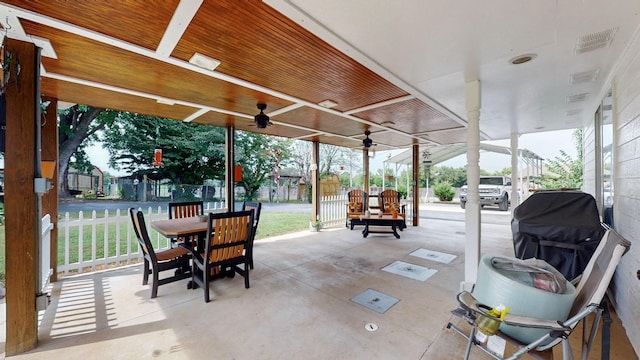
{"type": "Point", "coordinates": [118, 246]}
{"type": "Point", "coordinates": [333, 210]}
{"type": "Point", "coordinates": [117, 240]}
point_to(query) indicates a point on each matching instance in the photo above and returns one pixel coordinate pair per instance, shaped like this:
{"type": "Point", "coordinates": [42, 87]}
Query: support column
{"type": "Point", "coordinates": [365, 170]}
{"type": "Point", "coordinates": [50, 154]}
{"type": "Point", "coordinates": [22, 204]}
{"type": "Point", "coordinates": [515, 172]}
{"type": "Point", "coordinates": [230, 142]}
{"type": "Point", "coordinates": [472, 207]}
{"type": "Point", "coordinates": [315, 181]}
{"type": "Point", "coordinates": [415, 157]}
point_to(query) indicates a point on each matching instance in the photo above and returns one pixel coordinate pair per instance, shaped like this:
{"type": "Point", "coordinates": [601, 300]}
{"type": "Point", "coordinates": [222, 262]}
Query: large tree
{"type": "Point", "coordinates": [257, 155]}
{"type": "Point", "coordinates": [78, 126]}
{"type": "Point", "coordinates": [191, 153]}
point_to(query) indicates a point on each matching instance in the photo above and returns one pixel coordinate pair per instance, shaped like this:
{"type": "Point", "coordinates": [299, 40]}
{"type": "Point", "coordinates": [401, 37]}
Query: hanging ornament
{"type": "Point", "coordinates": [157, 157]}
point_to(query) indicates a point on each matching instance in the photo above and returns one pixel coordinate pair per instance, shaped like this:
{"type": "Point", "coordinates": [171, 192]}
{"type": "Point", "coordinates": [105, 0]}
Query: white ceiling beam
{"type": "Point", "coordinates": [180, 20]}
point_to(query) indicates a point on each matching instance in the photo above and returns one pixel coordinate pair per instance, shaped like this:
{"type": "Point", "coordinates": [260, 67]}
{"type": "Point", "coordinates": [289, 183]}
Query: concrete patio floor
{"type": "Point", "coordinates": [298, 307]}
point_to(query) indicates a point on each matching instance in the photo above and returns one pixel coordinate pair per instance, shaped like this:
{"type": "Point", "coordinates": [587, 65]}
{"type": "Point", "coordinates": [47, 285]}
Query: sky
{"type": "Point", "coordinates": [546, 144]}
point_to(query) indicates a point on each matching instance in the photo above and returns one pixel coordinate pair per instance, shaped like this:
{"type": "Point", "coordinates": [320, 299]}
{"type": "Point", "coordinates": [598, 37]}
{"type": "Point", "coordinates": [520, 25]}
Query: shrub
{"type": "Point", "coordinates": [443, 191]}
{"type": "Point", "coordinates": [89, 195]}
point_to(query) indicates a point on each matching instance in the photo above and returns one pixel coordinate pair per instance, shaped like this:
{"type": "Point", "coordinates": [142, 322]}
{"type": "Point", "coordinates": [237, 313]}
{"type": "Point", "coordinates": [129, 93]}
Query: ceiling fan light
{"type": "Point", "coordinates": [367, 142]}
{"type": "Point", "coordinates": [262, 120]}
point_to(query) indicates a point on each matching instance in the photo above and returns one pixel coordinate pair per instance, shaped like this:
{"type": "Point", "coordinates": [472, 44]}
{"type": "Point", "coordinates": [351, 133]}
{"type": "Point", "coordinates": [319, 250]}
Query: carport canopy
{"type": "Point", "coordinates": [441, 153]}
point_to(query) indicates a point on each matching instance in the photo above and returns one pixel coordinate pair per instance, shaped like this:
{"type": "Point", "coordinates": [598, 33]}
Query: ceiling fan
{"type": "Point", "coordinates": [262, 120]}
{"type": "Point", "coordinates": [367, 142]}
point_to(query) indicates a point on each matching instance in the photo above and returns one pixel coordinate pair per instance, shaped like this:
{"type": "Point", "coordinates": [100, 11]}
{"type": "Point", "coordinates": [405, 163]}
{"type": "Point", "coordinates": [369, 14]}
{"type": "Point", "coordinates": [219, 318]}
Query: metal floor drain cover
{"type": "Point", "coordinates": [411, 271]}
{"type": "Point", "coordinates": [371, 327]}
{"type": "Point", "coordinates": [433, 255]}
{"type": "Point", "coordinates": [375, 300]}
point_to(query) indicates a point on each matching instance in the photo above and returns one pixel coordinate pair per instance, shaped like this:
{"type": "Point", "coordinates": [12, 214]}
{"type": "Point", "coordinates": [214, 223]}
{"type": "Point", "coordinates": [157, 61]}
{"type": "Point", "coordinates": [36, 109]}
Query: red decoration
{"type": "Point", "coordinates": [157, 157]}
{"type": "Point", "coordinates": [237, 173]}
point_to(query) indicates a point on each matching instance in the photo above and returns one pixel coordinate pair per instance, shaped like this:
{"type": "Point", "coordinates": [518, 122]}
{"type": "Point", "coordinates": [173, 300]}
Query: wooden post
{"type": "Point", "coordinates": [416, 183]}
{"type": "Point", "coordinates": [229, 163]}
{"type": "Point", "coordinates": [315, 181]}
{"type": "Point", "coordinates": [21, 202]}
{"type": "Point", "coordinates": [365, 170]}
{"type": "Point", "coordinates": [50, 153]}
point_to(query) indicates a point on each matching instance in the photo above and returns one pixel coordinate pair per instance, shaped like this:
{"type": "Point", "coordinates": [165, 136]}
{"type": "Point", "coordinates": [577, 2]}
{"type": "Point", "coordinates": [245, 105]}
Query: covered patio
{"type": "Point", "coordinates": [328, 72]}
{"type": "Point", "coordinates": [299, 304]}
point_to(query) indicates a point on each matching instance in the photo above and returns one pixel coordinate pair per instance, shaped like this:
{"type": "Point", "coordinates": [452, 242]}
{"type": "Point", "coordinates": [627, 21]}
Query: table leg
{"type": "Point", "coordinates": [365, 231]}
{"type": "Point", "coordinates": [395, 233]}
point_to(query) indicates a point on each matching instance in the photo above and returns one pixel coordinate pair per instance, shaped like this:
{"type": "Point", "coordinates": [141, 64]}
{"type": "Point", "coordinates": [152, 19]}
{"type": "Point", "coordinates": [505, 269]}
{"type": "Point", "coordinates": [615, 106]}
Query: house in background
{"type": "Point", "coordinates": [85, 182]}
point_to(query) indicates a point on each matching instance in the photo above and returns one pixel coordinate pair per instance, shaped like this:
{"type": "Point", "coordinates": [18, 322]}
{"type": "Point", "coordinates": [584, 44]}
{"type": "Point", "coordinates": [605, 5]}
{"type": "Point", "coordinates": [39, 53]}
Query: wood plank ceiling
{"type": "Point", "coordinates": [127, 55]}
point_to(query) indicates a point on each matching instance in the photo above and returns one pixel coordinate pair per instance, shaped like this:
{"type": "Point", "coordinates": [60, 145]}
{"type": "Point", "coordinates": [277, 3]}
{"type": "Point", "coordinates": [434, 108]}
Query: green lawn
{"type": "Point", "coordinates": [271, 224]}
{"type": "Point", "coordinates": [276, 223]}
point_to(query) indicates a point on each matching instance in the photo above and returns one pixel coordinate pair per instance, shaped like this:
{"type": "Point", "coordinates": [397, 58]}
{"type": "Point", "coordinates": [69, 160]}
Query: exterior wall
{"type": "Point", "coordinates": [626, 158]}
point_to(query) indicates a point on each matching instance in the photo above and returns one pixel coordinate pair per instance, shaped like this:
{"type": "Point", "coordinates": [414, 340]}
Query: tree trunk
{"type": "Point", "coordinates": [78, 126]}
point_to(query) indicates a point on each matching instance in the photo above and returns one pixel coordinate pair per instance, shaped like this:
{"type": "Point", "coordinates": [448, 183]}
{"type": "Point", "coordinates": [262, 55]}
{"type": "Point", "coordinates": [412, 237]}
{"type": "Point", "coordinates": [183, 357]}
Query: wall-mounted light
{"type": "Point", "coordinates": [48, 168]}
{"type": "Point", "coordinates": [43, 184]}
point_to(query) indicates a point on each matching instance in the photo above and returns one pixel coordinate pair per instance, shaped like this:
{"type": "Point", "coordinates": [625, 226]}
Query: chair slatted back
{"type": "Point", "coordinates": [386, 197]}
{"type": "Point", "coordinates": [359, 196]}
{"type": "Point", "coordinates": [599, 270]}
{"type": "Point", "coordinates": [257, 207]}
{"type": "Point", "coordinates": [140, 229]}
{"type": "Point", "coordinates": [228, 235]}
{"type": "Point", "coordinates": [178, 210]}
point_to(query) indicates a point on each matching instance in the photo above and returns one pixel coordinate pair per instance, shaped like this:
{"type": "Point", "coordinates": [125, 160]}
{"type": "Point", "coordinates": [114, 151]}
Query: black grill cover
{"type": "Point", "coordinates": [561, 227]}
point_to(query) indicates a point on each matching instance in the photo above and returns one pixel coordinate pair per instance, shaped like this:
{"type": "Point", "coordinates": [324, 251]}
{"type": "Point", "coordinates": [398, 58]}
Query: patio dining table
{"type": "Point", "coordinates": [181, 227]}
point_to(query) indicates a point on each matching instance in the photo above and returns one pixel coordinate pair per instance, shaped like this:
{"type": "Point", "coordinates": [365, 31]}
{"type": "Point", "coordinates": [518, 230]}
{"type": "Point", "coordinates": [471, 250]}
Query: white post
{"type": "Point", "coordinates": [472, 207]}
{"type": "Point", "coordinates": [515, 172]}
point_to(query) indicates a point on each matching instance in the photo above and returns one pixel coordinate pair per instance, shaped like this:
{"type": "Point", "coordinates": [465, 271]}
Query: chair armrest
{"type": "Point", "coordinates": [197, 257]}
{"type": "Point", "coordinates": [472, 305]}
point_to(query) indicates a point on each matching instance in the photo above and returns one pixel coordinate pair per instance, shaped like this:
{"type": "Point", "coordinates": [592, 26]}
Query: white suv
{"type": "Point", "coordinates": [494, 190]}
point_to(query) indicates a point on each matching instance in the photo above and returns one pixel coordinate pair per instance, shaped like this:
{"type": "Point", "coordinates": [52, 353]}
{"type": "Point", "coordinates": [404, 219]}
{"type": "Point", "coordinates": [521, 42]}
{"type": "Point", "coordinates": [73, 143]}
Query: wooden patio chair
{"type": "Point", "coordinates": [179, 210]}
{"type": "Point", "coordinates": [358, 204]}
{"type": "Point", "coordinates": [389, 201]}
{"type": "Point", "coordinates": [256, 207]}
{"type": "Point", "coordinates": [228, 236]}
{"type": "Point", "coordinates": [176, 259]}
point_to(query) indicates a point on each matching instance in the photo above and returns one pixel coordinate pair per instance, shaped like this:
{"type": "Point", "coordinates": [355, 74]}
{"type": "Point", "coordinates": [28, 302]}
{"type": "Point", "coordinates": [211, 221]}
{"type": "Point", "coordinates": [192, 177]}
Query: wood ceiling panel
{"type": "Point", "coordinates": [223, 120]}
{"type": "Point", "coordinates": [321, 121]}
{"type": "Point", "coordinates": [257, 44]}
{"type": "Point", "coordinates": [87, 59]}
{"type": "Point", "coordinates": [130, 21]}
{"type": "Point", "coordinates": [339, 141]}
{"type": "Point", "coordinates": [411, 116]}
{"type": "Point", "coordinates": [80, 94]}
